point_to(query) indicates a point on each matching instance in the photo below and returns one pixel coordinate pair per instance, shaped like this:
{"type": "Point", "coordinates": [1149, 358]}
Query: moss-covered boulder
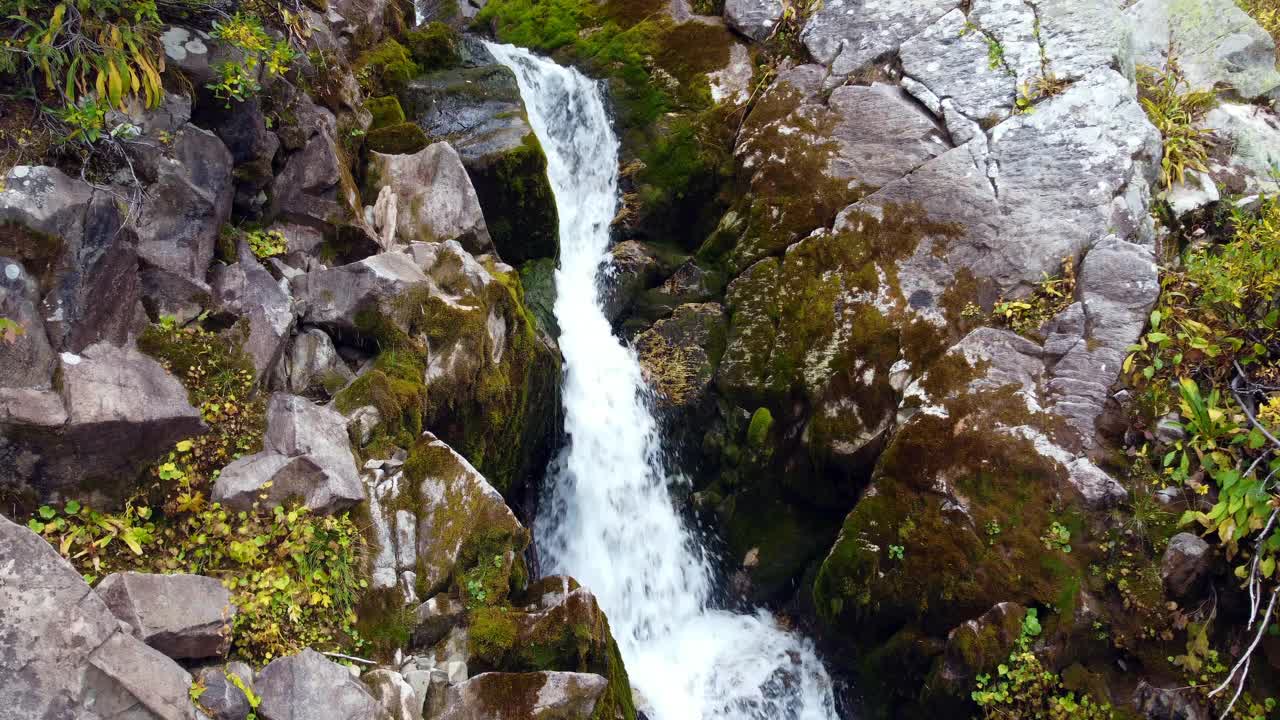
{"type": "Point", "coordinates": [564, 630]}
{"type": "Point", "coordinates": [479, 111]}
{"type": "Point", "coordinates": [384, 111]}
{"type": "Point", "coordinates": [678, 355]}
{"type": "Point", "coordinates": [973, 503]}
{"type": "Point", "coordinates": [400, 139]}
{"type": "Point", "coordinates": [434, 46]}
{"type": "Point", "coordinates": [385, 69]}
{"type": "Point", "coordinates": [462, 355]}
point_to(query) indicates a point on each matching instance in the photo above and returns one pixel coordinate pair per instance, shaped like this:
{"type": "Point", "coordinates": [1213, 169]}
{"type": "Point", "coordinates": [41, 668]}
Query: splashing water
{"type": "Point", "coordinates": [610, 521]}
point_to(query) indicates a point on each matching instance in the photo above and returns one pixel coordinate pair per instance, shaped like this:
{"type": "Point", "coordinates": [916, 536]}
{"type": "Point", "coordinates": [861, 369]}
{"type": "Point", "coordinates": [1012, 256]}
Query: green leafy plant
{"type": "Point", "coordinates": [1057, 537]}
{"type": "Point", "coordinates": [10, 330]}
{"type": "Point", "coordinates": [1052, 295]}
{"type": "Point", "coordinates": [897, 552]}
{"type": "Point", "coordinates": [238, 81]}
{"type": "Point", "coordinates": [1175, 109]}
{"type": "Point", "coordinates": [267, 243]}
{"type": "Point", "coordinates": [1023, 689]}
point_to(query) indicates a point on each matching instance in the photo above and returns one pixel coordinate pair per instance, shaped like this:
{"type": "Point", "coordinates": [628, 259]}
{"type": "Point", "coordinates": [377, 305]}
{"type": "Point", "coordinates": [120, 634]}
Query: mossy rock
{"type": "Point", "coordinates": [573, 635]}
{"type": "Point", "coordinates": [539, 280]}
{"type": "Point", "coordinates": [385, 110]}
{"type": "Point", "coordinates": [385, 69]}
{"type": "Point", "coordinates": [774, 540]}
{"type": "Point", "coordinates": [434, 46]}
{"type": "Point", "coordinates": [480, 112]}
{"type": "Point", "coordinates": [400, 139]}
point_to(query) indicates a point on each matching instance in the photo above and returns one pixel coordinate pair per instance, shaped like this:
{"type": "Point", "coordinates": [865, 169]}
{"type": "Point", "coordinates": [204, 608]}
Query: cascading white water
{"type": "Point", "coordinates": [610, 521]}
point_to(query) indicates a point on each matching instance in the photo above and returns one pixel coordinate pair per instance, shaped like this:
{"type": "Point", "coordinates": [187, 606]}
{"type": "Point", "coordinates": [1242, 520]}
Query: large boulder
{"type": "Point", "coordinates": [116, 409]}
{"type": "Point", "coordinates": [433, 197]}
{"type": "Point", "coordinates": [480, 112]}
{"type": "Point", "coordinates": [183, 616]}
{"type": "Point", "coordinates": [69, 235]}
{"type": "Point", "coordinates": [312, 365]}
{"type": "Point", "coordinates": [65, 653]}
{"type": "Point", "coordinates": [847, 35]}
{"type": "Point", "coordinates": [186, 205]}
{"type": "Point", "coordinates": [247, 290]}
{"type": "Point", "coordinates": [307, 456]}
{"type": "Point", "coordinates": [1214, 41]}
{"type": "Point", "coordinates": [525, 696]}
{"type": "Point", "coordinates": [346, 300]}
{"type": "Point", "coordinates": [308, 686]}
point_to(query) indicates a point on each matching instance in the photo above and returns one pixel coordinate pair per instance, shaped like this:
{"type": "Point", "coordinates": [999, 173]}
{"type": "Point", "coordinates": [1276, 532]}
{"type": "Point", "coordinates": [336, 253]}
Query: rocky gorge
{"type": "Point", "coordinates": [609, 359]}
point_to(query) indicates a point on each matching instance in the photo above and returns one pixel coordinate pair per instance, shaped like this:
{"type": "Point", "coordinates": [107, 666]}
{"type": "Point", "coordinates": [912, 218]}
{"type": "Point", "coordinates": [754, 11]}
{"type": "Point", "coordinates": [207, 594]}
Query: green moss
{"type": "Point", "coordinates": [384, 622]}
{"type": "Point", "coordinates": [386, 111]}
{"type": "Point", "coordinates": [402, 139]}
{"type": "Point", "coordinates": [758, 430]}
{"type": "Point", "coordinates": [395, 387]}
{"type": "Point", "coordinates": [385, 69]}
{"type": "Point", "coordinates": [492, 632]}
{"type": "Point", "coordinates": [434, 46]}
{"type": "Point", "coordinates": [518, 203]}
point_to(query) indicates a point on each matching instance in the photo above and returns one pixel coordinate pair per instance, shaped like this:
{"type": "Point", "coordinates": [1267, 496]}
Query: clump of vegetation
{"type": "Point", "coordinates": [295, 577]}
{"type": "Point", "coordinates": [267, 243]}
{"type": "Point", "coordinates": [1212, 357]}
{"type": "Point", "coordinates": [385, 69]}
{"type": "Point", "coordinates": [1267, 13]}
{"type": "Point", "coordinates": [238, 81]}
{"type": "Point", "coordinates": [10, 330]}
{"type": "Point", "coordinates": [434, 46]}
{"type": "Point", "coordinates": [1024, 688]}
{"type": "Point", "coordinates": [1175, 109]}
{"type": "Point", "coordinates": [1052, 295]}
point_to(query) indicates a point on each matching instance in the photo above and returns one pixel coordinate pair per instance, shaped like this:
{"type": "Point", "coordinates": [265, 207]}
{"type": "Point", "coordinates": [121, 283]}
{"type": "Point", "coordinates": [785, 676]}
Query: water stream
{"type": "Point", "coordinates": [609, 519]}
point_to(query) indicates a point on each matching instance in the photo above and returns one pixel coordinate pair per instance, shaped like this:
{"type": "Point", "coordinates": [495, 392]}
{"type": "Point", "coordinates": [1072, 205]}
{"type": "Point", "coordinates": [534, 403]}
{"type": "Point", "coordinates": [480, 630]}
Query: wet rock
{"type": "Point", "coordinates": [1159, 703]}
{"type": "Point", "coordinates": [1186, 565]}
{"type": "Point", "coordinates": [26, 359]}
{"type": "Point", "coordinates": [1217, 43]}
{"type": "Point", "coordinates": [479, 111]}
{"type": "Point", "coordinates": [434, 197]}
{"type": "Point", "coordinates": [222, 698]}
{"type": "Point", "coordinates": [753, 18]}
{"type": "Point", "coordinates": [307, 686]}
{"type": "Point", "coordinates": [183, 616]}
{"type": "Point", "coordinates": [525, 696]}
{"type": "Point", "coordinates": [307, 456]}
{"type": "Point", "coordinates": [633, 269]}
{"type": "Point", "coordinates": [678, 354]}
{"type": "Point", "coordinates": [75, 244]}
{"type": "Point", "coordinates": [65, 654]}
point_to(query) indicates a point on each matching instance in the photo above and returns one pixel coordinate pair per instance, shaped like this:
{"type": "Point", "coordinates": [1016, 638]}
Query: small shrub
{"type": "Point", "coordinates": [1051, 296]}
{"type": "Point", "coordinates": [1024, 689]}
{"type": "Point", "coordinates": [1174, 108]}
{"type": "Point", "coordinates": [267, 243]}
{"type": "Point", "coordinates": [238, 81]}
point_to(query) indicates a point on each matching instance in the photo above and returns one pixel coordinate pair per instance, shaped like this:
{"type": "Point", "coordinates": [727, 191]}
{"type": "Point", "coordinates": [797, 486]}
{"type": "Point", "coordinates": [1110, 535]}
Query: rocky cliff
{"type": "Point", "coordinates": [960, 318]}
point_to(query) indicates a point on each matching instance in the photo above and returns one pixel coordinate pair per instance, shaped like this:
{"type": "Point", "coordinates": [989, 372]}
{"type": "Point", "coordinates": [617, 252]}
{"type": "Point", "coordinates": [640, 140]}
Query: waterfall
{"type": "Point", "coordinates": [609, 520]}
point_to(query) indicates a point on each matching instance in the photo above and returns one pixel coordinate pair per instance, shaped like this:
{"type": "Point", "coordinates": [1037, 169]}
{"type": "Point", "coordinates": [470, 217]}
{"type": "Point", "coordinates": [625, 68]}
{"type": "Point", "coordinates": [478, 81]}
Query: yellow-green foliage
{"type": "Point", "coordinates": [1266, 12]}
{"type": "Point", "coordinates": [267, 243]}
{"type": "Point", "coordinates": [1174, 108]}
{"type": "Point", "coordinates": [1023, 689]}
{"type": "Point", "coordinates": [1051, 296]}
{"type": "Point", "coordinates": [238, 81]}
{"type": "Point", "coordinates": [92, 55]}
{"type": "Point", "coordinates": [1212, 356]}
{"type": "Point", "coordinates": [294, 577]}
